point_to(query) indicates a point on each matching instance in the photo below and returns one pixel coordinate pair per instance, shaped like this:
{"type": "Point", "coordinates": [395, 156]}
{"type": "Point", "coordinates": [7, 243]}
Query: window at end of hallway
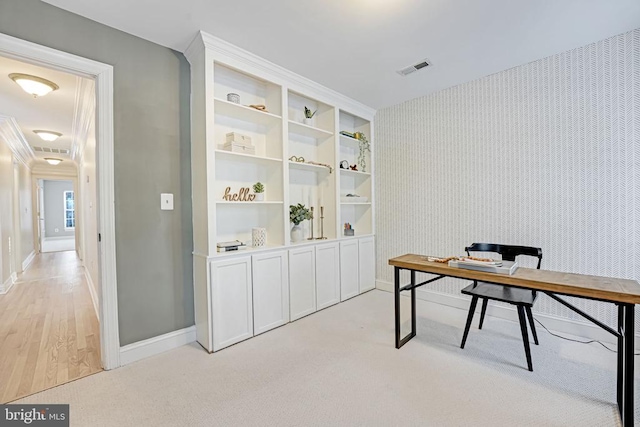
{"type": "Point", "coordinates": [69, 211]}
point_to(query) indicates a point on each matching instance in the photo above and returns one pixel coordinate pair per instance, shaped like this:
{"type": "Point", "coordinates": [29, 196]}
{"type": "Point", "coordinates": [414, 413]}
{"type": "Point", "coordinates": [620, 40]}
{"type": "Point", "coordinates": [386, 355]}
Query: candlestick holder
{"type": "Point", "coordinates": [321, 224]}
{"type": "Point", "coordinates": [311, 220]}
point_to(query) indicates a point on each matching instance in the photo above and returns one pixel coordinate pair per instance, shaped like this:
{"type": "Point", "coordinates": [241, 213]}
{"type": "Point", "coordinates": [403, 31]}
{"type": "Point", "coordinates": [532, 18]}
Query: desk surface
{"type": "Point", "coordinates": [605, 288]}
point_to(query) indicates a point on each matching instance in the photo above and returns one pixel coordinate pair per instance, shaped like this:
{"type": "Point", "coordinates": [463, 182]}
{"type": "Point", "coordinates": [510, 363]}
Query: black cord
{"type": "Point", "coordinates": [578, 341]}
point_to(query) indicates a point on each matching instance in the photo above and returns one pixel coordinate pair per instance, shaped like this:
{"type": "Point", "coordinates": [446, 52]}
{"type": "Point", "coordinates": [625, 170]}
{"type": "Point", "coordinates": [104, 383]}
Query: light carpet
{"type": "Point", "coordinates": [339, 367]}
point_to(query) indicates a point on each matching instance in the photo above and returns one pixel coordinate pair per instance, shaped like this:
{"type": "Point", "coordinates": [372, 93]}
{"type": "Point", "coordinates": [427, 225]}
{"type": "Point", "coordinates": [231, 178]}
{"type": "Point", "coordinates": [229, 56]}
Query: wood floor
{"type": "Point", "coordinates": [49, 333]}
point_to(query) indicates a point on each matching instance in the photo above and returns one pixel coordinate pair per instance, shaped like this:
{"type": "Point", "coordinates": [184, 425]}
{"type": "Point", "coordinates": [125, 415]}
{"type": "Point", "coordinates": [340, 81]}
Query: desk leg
{"type": "Point", "coordinates": [620, 380]}
{"type": "Point", "coordinates": [629, 332]}
{"type": "Point", "coordinates": [402, 341]}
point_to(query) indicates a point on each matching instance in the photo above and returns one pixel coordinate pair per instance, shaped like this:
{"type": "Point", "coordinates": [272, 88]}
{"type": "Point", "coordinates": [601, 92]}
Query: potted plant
{"type": "Point", "coordinates": [308, 115]}
{"type": "Point", "coordinates": [297, 214]}
{"type": "Point", "coordinates": [363, 145]}
{"type": "Point", "coordinates": [258, 189]}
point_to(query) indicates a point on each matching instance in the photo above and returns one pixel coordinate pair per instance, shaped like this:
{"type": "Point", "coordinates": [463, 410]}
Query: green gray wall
{"type": "Point", "coordinates": [151, 105]}
{"type": "Point", "coordinates": [54, 208]}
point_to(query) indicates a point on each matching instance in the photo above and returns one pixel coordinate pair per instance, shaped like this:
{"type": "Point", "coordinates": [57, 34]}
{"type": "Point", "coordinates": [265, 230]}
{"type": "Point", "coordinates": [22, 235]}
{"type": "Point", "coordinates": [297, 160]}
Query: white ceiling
{"type": "Point", "coordinates": [356, 46]}
{"type": "Point", "coordinates": [53, 111]}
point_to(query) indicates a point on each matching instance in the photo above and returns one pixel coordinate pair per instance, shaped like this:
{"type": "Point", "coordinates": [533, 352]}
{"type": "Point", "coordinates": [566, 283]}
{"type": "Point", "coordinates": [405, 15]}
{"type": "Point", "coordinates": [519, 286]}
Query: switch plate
{"type": "Point", "coordinates": [166, 201]}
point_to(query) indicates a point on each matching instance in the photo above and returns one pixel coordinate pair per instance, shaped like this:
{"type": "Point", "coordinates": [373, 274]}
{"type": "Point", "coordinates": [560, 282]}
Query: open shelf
{"type": "Point", "coordinates": [244, 113]}
{"type": "Point", "coordinates": [247, 157]}
{"type": "Point", "coordinates": [308, 167]}
{"type": "Point", "coordinates": [352, 142]}
{"type": "Point", "coordinates": [355, 203]}
{"type": "Point", "coordinates": [306, 130]}
{"type": "Point", "coordinates": [255, 202]}
{"type": "Point", "coordinates": [356, 173]}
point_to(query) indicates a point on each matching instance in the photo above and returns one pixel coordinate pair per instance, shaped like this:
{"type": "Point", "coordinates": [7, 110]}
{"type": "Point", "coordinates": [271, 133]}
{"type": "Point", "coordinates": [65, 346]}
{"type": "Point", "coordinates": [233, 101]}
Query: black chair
{"type": "Point", "coordinates": [523, 299]}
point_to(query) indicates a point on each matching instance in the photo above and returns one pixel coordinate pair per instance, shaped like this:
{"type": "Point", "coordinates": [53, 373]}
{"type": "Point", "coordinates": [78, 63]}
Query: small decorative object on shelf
{"type": "Point", "coordinates": [234, 245]}
{"type": "Point", "coordinates": [321, 224]}
{"type": "Point", "coordinates": [353, 198]}
{"type": "Point", "coordinates": [258, 189]}
{"type": "Point", "coordinates": [241, 196]}
{"type": "Point", "coordinates": [311, 237]}
{"type": "Point", "coordinates": [344, 164]}
{"type": "Point", "coordinates": [354, 168]}
{"type": "Point", "coordinates": [233, 97]}
{"type": "Point", "coordinates": [301, 160]}
{"type": "Point", "coordinates": [348, 231]}
{"type": "Point", "coordinates": [363, 145]}
{"type": "Point", "coordinates": [259, 107]}
{"type": "Point", "coordinates": [349, 134]}
{"type": "Point", "coordinates": [258, 237]}
{"type": "Point", "coordinates": [297, 214]}
{"type": "Point", "coordinates": [308, 115]}
{"type": "Point", "coordinates": [238, 143]}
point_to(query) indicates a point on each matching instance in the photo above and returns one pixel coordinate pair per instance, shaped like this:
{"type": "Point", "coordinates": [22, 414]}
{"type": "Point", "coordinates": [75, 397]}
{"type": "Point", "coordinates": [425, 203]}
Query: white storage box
{"type": "Point", "coordinates": [238, 138]}
{"type": "Point", "coordinates": [239, 148]}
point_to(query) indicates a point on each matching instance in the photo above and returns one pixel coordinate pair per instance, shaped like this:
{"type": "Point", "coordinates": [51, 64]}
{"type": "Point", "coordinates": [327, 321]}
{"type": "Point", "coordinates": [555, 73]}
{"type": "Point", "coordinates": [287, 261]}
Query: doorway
{"type": "Point", "coordinates": [56, 215]}
{"type": "Point", "coordinates": [102, 76]}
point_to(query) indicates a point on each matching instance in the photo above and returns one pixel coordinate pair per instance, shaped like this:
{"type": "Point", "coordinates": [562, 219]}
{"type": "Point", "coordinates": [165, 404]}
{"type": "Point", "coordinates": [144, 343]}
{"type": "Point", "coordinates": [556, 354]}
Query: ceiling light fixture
{"type": "Point", "coordinates": [47, 135]}
{"type": "Point", "coordinates": [53, 161]}
{"type": "Point", "coordinates": [33, 85]}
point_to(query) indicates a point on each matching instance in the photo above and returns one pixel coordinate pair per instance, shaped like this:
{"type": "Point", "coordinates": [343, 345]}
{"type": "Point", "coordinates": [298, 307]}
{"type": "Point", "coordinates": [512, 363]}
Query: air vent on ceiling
{"type": "Point", "coordinates": [51, 150]}
{"type": "Point", "coordinates": [415, 67]}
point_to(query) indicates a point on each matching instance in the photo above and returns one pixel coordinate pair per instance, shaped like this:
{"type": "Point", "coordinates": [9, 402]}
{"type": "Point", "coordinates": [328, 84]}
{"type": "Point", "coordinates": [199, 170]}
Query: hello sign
{"type": "Point", "coordinates": [241, 196]}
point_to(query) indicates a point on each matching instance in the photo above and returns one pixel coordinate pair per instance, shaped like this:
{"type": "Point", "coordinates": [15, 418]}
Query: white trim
{"type": "Point", "coordinates": [555, 324]}
{"type": "Point", "coordinates": [277, 74]}
{"type": "Point", "coordinates": [8, 284]}
{"type": "Point", "coordinates": [103, 75]}
{"type": "Point", "coordinates": [142, 349]}
{"type": "Point", "coordinates": [83, 114]}
{"type": "Point", "coordinates": [93, 292]}
{"type": "Point", "coordinates": [28, 260]}
{"type": "Point", "coordinates": [10, 131]}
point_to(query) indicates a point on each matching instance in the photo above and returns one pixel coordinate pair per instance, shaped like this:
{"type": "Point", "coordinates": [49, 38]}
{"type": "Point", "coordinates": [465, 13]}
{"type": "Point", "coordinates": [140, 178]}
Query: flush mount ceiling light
{"type": "Point", "coordinates": [47, 135]}
{"type": "Point", "coordinates": [33, 85]}
{"type": "Point", "coordinates": [53, 161]}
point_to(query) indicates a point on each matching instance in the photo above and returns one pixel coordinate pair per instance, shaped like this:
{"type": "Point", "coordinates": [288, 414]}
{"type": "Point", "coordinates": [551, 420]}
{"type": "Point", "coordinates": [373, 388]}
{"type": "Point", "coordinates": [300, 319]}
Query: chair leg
{"type": "Point", "coordinates": [532, 324]}
{"type": "Point", "coordinates": [484, 310]}
{"type": "Point", "coordinates": [525, 336]}
{"type": "Point", "coordinates": [472, 309]}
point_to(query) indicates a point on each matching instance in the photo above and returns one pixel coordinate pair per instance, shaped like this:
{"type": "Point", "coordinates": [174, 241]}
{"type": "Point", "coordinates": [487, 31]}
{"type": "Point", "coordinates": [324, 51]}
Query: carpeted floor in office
{"type": "Point", "coordinates": [340, 367]}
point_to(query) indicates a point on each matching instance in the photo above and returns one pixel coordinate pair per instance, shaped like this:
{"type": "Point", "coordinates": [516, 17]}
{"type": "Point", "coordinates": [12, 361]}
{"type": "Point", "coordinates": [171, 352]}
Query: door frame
{"type": "Point", "coordinates": [102, 74]}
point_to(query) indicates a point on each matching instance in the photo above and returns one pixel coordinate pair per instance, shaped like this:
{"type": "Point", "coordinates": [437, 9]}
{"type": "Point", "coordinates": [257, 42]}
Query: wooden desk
{"type": "Point", "coordinates": [622, 292]}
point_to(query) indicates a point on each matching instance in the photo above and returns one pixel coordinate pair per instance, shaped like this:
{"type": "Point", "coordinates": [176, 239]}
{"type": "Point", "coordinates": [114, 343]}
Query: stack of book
{"type": "Point", "coordinates": [238, 143]}
{"type": "Point", "coordinates": [231, 246]}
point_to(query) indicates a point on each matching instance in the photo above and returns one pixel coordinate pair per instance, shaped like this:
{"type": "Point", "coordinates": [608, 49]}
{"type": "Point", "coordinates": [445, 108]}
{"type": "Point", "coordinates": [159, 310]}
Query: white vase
{"type": "Point", "coordinates": [307, 121]}
{"type": "Point", "coordinates": [296, 234]}
{"type": "Point", "coordinates": [259, 197]}
{"type": "Point", "coordinates": [258, 237]}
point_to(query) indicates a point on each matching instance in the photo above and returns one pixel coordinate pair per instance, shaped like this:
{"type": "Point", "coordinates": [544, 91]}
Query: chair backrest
{"type": "Point", "coordinates": [508, 252]}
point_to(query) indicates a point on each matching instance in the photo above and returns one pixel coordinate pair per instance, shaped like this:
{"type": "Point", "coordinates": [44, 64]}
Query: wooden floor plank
{"type": "Point", "coordinates": [49, 333]}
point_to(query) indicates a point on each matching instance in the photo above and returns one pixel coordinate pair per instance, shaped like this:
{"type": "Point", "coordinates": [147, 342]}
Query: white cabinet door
{"type": "Point", "coordinates": [327, 275]}
{"type": "Point", "coordinates": [231, 302]}
{"type": "Point", "coordinates": [367, 264]}
{"type": "Point", "coordinates": [302, 283]}
{"type": "Point", "coordinates": [270, 291]}
{"type": "Point", "coordinates": [349, 285]}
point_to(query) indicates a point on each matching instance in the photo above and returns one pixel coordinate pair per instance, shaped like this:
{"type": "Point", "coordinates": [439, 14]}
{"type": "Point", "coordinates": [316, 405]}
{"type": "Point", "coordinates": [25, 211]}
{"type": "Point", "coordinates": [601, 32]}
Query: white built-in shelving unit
{"type": "Point", "coordinates": [264, 277]}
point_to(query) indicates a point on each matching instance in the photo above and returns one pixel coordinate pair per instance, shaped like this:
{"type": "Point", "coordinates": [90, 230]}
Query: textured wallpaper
{"type": "Point", "coordinates": [545, 154]}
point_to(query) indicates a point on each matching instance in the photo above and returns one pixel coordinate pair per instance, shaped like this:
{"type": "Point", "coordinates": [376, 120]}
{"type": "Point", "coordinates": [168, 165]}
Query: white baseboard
{"type": "Point", "coordinates": [142, 349]}
{"type": "Point", "coordinates": [60, 237]}
{"type": "Point", "coordinates": [554, 323]}
{"type": "Point", "coordinates": [11, 280]}
{"type": "Point", "coordinates": [93, 292]}
{"type": "Point", "coordinates": [28, 260]}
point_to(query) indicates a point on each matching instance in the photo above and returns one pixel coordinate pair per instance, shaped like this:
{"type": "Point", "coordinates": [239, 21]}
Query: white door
{"type": "Point", "coordinates": [270, 291]}
{"type": "Point", "coordinates": [367, 264]}
{"type": "Point", "coordinates": [349, 286]}
{"type": "Point", "coordinates": [327, 275]}
{"type": "Point", "coordinates": [302, 283]}
{"type": "Point", "coordinates": [231, 301]}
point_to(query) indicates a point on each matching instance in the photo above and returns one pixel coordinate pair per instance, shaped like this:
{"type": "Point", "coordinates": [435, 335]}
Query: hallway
{"type": "Point", "coordinates": [49, 332]}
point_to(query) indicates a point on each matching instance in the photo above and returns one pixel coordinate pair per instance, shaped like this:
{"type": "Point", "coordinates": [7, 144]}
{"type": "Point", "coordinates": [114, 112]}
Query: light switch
{"type": "Point", "coordinates": [166, 201]}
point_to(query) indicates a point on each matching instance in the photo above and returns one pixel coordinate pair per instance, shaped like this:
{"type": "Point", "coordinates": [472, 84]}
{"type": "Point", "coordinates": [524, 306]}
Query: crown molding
{"type": "Point", "coordinates": [244, 60]}
{"type": "Point", "coordinates": [84, 109]}
{"type": "Point", "coordinates": [12, 134]}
